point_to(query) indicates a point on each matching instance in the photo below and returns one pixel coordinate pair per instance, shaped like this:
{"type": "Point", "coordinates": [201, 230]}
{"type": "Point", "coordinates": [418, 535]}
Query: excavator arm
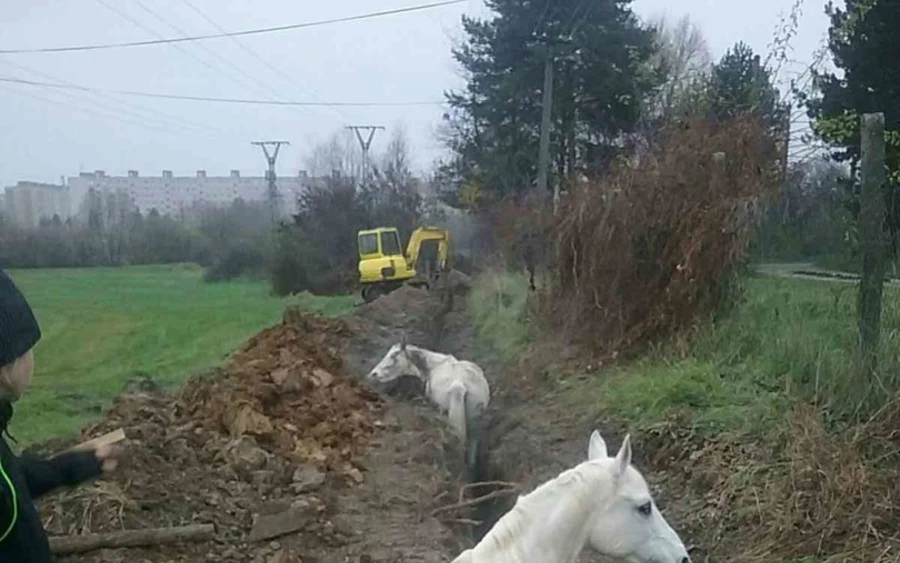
{"type": "Point", "coordinates": [422, 235]}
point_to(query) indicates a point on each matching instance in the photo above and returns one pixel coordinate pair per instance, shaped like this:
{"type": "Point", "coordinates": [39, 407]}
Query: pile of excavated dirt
{"type": "Point", "coordinates": [288, 389]}
{"type": "Point", "coordinates": [276, 429]}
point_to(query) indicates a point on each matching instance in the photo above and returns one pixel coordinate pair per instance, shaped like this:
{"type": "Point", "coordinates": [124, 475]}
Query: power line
{"type": "Point", "coordinates": [576, 25]}
{"type": "Point", "coordinates": [93, 111]}
{"type": "Point", "coordinates": [254, 84]}
{"type": "Point", "coordinates": [181, 48]}
{"type": "Point", "coordinates": [254, 54]}
{"type": "Point", "coordinates": [540, 19]}
{"type": "Point", "coordinates": [275, 29]}
{"type": "Point", "coordinates": [163, 118]}
{"type": "Point", "coordinates": [220, 100]}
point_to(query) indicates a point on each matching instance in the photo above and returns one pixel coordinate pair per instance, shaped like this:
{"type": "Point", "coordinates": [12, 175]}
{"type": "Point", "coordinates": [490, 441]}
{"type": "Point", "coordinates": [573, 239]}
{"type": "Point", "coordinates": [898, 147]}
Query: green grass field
{"type": "Point", "coordinates": [788, 339]}
{"type": "Point", "coordinates": [102, 326]}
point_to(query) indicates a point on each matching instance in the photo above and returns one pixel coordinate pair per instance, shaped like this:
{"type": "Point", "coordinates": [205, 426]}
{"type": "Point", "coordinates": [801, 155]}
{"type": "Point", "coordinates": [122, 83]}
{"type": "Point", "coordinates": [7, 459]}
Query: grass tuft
{"type": "Point", "coordinates": [497, 305]}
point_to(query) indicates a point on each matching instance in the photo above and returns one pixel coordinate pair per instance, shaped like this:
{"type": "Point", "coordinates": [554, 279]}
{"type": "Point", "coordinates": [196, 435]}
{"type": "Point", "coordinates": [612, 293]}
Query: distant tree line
{"type": "Point", "coordinates": [313, 250]}
{"type": "Point", "coordinates": [226, 241]}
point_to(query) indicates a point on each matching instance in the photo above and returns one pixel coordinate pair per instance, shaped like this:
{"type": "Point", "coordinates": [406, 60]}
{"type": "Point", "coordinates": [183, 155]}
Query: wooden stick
{"type": "Point", "coordinates": [106, 440]}
{"type": "Point", "coordinates": [480, 484]}
{"type": "Point", "coordinates": [131, 538]}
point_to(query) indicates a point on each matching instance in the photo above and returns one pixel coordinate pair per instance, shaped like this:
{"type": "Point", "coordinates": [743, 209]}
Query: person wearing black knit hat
{"type": "Point", "coordinates": [24, 479]}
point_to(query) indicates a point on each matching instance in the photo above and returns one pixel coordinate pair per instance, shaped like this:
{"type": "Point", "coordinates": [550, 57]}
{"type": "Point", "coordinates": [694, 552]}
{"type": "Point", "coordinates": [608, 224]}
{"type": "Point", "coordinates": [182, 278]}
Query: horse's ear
{"type": "Point", "coordinates": [597, 447]}
{"type": "Point", "coordinates": [623, 458]}
{"type": "Point", "coordinates": [403, 341]}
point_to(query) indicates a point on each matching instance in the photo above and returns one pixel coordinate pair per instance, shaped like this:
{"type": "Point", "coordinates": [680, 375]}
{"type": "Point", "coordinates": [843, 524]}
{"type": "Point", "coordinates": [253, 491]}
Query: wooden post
{"type": "Point", "coordinates": [871, 219]}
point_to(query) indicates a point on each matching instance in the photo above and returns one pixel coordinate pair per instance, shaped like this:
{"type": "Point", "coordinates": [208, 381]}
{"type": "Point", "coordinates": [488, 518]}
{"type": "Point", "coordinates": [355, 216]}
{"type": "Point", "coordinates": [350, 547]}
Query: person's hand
{"type": "Point", "coordinates": [108, 456]}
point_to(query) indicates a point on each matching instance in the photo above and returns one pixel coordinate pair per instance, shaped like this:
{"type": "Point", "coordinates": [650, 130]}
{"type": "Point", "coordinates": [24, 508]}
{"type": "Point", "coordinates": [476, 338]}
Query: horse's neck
{"type": "Point", "coordinates": [426, 360]}
{"type": "Point", "coordinates": [552, 522]}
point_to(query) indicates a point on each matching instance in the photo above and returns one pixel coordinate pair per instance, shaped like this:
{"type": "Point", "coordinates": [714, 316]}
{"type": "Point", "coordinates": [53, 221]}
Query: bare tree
{"type": "Point", "coordinates": [340, 153]}
{"type": "Point", "coordinates": [685, 57]}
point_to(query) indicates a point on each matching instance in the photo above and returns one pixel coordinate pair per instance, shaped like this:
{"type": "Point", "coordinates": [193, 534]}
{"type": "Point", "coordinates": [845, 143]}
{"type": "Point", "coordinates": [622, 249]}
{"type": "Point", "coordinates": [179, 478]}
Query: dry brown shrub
{"type": "Point", "coordinates": [518, 229]}
{"type": "Point", "coordinates": [652, 248]}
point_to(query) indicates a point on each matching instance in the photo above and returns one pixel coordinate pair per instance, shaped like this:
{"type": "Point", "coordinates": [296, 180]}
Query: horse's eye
{"type": "Point", "coordinates": [646, 509]}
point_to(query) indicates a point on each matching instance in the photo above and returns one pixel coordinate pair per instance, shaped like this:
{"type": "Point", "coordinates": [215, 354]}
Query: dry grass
{"type": "Point", "coordinates": [826, 495]}
{"type": "Point", "coordinates": [653, 248]}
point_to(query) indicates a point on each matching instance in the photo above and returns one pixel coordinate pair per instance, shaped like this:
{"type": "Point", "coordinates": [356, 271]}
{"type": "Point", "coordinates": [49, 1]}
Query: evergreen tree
{"type": "Point", "coordinates": [740, 84]}
{"type": "Point", "coordinates": [602, 76]}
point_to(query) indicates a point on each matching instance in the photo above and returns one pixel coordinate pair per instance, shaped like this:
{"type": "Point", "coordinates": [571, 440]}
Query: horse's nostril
{"type": "Point", "coordinates": [685, 559]}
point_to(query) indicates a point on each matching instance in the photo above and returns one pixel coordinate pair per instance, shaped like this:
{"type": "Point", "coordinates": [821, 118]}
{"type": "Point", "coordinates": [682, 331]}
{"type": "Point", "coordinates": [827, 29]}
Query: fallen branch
{"type": "Point", "coordinates": [131, 538]}
{"type": "Point", "coordinates": [473, 501]}
{"type": "Point", "coordinates": [480, 484]}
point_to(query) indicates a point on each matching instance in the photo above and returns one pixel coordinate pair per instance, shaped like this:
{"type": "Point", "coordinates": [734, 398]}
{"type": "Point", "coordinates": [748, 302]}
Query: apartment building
{"type": "Point", "coordinates": [28, 203]}
{"type": "Point", "coordinates": [176, 195]}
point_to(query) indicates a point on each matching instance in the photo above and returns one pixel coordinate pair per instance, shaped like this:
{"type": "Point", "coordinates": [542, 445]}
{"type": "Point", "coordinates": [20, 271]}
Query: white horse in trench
{"type": "Point", "coordinates": [457, 387]}
{"type": "Point", "coordinates": [603, 502]}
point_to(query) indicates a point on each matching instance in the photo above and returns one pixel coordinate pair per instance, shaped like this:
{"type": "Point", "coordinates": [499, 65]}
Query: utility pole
{"type": "Point", "coordinates": [544, 151]}
{"type": "Point", "coordinates": [553, 49]}
{"type": "Point", "coordinates": [365, 143]}
{"type": "Point", "coordinates": [270, 174]}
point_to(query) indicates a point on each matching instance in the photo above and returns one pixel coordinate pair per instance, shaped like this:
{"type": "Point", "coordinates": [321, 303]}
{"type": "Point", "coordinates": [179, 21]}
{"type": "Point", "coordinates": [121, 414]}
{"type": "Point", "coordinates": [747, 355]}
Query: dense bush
{"type": "Point", "coordinates": [653, 248]}
{"type": "Point", "coordinates": [317, 251]}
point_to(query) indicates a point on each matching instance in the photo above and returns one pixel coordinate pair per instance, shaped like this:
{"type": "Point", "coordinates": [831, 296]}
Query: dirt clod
{"type": "Point", "coordinates": [270, 526]}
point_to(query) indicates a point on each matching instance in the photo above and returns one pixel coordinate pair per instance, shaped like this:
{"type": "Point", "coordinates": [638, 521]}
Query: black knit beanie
{"type": "Point", "coordinates": [19, 330]}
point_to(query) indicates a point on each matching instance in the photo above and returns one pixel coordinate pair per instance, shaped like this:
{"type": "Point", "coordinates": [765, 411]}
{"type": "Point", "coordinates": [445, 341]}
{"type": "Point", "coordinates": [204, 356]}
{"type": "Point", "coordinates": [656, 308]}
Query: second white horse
{"type": "Point", "coordinates": [457, 387]}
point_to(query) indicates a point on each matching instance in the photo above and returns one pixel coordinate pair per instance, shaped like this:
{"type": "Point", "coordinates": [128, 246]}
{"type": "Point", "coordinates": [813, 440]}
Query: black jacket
{"type": "Point", "coordinates": [23, 479]}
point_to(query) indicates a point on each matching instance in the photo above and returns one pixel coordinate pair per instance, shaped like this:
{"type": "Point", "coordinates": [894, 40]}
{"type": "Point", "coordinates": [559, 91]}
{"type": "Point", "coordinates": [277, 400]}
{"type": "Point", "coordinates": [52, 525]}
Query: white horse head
{"type": "Point", "coordinates": [395, 364]}
{"type": "Point", "coordinates": [630, 527]}
{"type": "Point", "coordinates": [602, 502]}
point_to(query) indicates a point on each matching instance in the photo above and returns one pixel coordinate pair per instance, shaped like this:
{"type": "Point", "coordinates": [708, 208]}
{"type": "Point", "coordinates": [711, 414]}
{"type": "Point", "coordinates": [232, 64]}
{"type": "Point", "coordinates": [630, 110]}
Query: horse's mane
{"type": "Point", "coordinates": [574, 483]}
{"type": "Point", "coordinates": [416, 355]}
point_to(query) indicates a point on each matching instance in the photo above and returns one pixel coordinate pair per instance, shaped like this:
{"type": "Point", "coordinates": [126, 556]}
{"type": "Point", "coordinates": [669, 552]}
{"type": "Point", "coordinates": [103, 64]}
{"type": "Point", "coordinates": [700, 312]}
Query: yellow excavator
{"type": "Point", "coordinates": [384, 267]}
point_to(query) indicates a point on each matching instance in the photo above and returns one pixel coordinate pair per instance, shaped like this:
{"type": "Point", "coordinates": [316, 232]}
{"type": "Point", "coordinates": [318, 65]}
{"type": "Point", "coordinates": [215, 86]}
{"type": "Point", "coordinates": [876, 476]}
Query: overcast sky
{"type": "Point", "coordinates": [46, 133]}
